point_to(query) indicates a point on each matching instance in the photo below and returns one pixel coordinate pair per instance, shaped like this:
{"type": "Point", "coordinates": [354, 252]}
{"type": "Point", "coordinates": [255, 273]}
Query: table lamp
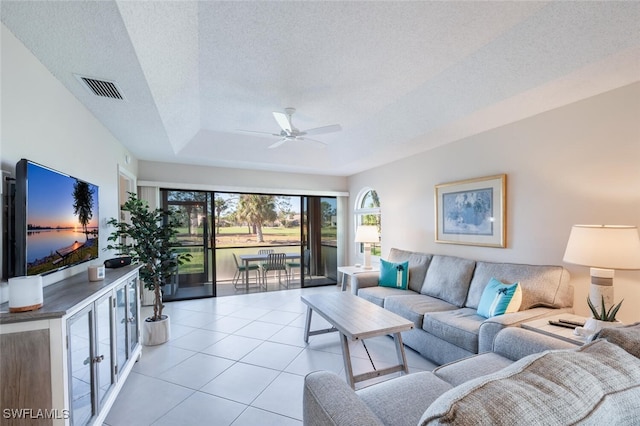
{"type": "Point", "coordinates": [603, 248]}
{"type": "Point", "coordinates": [367, 234]}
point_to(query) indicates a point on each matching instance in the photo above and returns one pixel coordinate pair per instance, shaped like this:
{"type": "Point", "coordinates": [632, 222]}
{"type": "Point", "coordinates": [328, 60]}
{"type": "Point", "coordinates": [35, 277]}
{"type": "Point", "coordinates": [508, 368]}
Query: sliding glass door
{"type": "Point", "coordinates": [191, 279]}
{"type": "Point", "coordinates": [320, 237]}
{"type": "Point", "coordinates": [220, 229]}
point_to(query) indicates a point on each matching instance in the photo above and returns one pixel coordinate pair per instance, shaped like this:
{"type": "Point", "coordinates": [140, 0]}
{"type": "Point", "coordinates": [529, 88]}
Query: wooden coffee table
{"type": "Point", "coordinates": [357, 319]}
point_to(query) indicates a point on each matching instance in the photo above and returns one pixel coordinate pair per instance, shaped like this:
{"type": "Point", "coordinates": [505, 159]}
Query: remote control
{"type": "Point", "coordinates": [574, 323]}
{"type": "Point", "coordinates": [561, 324]}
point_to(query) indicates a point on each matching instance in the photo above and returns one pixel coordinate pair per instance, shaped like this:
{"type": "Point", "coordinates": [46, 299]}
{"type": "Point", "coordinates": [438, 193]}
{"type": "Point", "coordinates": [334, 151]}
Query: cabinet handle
{"type": "Point", "coordinates": [98, 358]}
{"type": "Point", "coordinates": [132, 320]}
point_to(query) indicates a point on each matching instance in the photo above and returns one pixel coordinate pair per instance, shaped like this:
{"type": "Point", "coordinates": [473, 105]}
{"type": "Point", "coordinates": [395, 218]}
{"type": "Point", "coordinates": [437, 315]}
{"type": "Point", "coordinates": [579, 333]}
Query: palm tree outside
{"type": "Point", "coordinates": [257, 209]}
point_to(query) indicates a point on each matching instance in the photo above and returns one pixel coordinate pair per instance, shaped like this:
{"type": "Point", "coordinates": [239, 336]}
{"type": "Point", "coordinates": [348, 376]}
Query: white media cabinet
{"type": "Point", "coordinates": [65, 363]}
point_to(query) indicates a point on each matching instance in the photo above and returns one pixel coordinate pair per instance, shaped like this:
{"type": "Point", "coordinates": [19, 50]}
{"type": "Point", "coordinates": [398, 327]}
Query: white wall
{"type": "Point", "coordinates": [180, 176]}
{"type": "Point", "coordinates": [575, 164]}
{"type": "Point", "coordinates": [183, 176]}
{"type": "Point", "coordinates": [42, 121]}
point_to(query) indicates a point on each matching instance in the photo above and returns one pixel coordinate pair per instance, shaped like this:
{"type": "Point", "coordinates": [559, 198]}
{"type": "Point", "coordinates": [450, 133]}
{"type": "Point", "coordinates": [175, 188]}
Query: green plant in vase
{"type": "Point", "coordinates": [604, 314]}
{"type": "Point", "coordinates": [149, 237]}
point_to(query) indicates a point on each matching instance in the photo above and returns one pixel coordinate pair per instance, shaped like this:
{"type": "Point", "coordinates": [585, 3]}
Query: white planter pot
{"type": "Point", "coordinates": [592, 326]}
{"type": "Point", "coordinates": [156, 332]}
{"type": "Point", "coordinates": [596, 325]}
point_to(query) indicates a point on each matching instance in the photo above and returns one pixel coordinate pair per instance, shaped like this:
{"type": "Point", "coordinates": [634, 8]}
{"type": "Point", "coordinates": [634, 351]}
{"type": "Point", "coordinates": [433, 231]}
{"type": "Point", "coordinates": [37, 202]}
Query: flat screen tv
{"type": "Point", "coordinates": [56, 220]}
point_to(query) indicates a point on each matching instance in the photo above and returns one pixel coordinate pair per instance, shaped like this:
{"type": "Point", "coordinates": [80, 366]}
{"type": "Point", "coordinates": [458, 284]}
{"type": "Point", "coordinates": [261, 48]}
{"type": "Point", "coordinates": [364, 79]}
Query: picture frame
{"type": "Point", "coordinates": [472, 212]}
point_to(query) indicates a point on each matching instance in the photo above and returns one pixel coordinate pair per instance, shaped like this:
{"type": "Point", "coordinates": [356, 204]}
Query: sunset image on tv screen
{"type": "Point", "coordinates": [62, 220]}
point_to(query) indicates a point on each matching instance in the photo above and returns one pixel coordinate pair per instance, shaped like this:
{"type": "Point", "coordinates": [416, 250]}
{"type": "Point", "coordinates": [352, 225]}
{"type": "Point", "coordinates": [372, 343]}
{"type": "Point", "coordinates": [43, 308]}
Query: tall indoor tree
{"type": "Point", "coordinates": [150, 239]}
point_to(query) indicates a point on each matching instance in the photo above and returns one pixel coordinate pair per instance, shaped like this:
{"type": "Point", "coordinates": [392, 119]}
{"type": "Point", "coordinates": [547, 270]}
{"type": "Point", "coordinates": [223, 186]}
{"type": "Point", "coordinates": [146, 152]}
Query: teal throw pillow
{"type": "Point", "coordinates": [394, 275]}
{"type": "Point", "coordinates": [499, 299]}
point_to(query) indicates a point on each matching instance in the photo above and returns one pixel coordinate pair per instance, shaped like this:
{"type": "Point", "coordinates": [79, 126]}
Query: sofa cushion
{"type": "Point", "coordinates": [599, 381]}
{"type": "Point", "coordinates": [401, 401]}
{"type": "Point", "coordinates": [327, 399]}
{"type": "Point", "coordinates": [448, 279]}
{"type": "Point", "coordinates": [418, 264]}
{"type": "Point", "coordinates": [394, 274]}
{"type": "Point", "coordinates": [459, 327]}
{"type": "Point", "coordinates": [627, 337]}
{"type": "Point", "coordinates": [515, 343]}
{"type": "Point", "coordinates": [541, 285]}
{"type": "Point", "coordinates": [378, 294]}
{"type": "Point", "coordinates": [472, 367]}
{"type": "Point", "coordinates": [498, 299]}
{"type": "Point", "coordinates": [413, 306]}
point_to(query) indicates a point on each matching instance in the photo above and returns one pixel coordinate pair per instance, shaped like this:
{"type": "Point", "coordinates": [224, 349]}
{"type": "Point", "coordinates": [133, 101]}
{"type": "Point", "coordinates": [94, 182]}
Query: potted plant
{"type": "Point", "coordinates": [149, 237]}
{"type": "Point", "coordinates": [604, 318]}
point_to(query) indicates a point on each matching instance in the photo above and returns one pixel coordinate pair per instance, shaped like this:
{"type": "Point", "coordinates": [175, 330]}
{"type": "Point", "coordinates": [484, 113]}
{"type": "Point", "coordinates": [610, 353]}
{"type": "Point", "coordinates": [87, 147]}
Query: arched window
{"type": "Point", "coordinates": [367, 212]}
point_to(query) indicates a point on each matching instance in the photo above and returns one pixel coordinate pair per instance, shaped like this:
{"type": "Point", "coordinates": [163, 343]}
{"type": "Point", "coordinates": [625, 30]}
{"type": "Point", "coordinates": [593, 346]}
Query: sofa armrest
{"type": "Point", "coordinates": [492, 326]}
{"type": "Point", "coordinates": [328, 400]}
{"type": "Point", "coordinates": [515, 343]}
{"type": "Point", "coordinates": [364, 279]}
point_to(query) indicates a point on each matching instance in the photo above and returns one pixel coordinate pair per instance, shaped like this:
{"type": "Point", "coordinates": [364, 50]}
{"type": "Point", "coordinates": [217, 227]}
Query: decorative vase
{"type": "Point", "coordinates": [595, 325]}
{"type": "Point", "coordinates": [156, 332]}
{"type": "Point", "coordinates": [592, 326]}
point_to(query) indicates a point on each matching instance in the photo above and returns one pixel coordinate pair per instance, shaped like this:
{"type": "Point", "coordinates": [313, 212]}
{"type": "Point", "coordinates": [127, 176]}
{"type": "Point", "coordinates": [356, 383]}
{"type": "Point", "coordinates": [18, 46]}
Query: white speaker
{"type": "Point", "coordinates": [25, 293]}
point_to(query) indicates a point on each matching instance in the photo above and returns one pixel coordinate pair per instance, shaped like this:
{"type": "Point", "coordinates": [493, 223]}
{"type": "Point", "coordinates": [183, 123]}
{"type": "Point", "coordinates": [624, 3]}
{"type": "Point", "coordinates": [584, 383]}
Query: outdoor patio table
{"type": "Point", "coordinates": [246, 258]}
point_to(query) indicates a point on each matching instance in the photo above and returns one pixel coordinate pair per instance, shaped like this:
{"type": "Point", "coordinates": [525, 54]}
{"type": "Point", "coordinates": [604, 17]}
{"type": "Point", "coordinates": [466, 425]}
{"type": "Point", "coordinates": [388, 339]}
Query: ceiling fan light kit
{"type": "Point", "coordinates": [290, 133]}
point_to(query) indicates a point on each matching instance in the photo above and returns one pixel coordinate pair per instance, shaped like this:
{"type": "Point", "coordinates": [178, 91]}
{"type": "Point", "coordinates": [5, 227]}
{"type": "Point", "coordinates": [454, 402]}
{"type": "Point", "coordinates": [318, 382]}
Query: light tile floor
{"type": "Point", "coordinates": [239, 360]}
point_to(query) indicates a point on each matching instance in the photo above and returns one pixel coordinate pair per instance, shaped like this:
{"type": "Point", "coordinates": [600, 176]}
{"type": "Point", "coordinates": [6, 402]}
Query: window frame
{"type": "Point", "coordinates": [359, 213]}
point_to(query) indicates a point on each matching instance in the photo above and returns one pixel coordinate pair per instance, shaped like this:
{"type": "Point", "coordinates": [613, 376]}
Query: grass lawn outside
{"type": "Point", "coordinates": [238, 239]}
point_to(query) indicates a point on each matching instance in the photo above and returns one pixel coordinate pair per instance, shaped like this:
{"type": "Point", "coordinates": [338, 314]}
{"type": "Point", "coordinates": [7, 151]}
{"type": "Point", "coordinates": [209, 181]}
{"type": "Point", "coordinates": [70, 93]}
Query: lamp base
{"type": "Point", "coordinates": [601, 287]}
{"type": "Point", "coordinates": [367, 256]}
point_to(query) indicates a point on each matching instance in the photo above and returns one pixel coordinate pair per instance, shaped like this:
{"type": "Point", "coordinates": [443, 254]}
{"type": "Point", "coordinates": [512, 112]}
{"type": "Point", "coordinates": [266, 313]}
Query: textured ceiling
{"type": "Point", "coordinates": [400, 77]}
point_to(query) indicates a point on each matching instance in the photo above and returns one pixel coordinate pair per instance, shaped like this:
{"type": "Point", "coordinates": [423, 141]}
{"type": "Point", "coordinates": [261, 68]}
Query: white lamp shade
{"type": "Point", "coordinates": [604, 246]}
{"type": "Point", "coordinates": [367, 234]}
{"type": "Point", "coordinates": [25, 293]}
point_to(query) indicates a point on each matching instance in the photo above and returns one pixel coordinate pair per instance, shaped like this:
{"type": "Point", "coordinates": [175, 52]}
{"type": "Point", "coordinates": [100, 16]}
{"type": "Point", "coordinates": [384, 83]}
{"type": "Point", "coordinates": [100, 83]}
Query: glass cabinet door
{"type": "Point", "coordinates": [103, 350]}
{"type": "Point", "coordinates": [101, 339]}
{"type": "Point", "coordinates": [121, 326]}
{"type": "Point", "coordinates": [133, 314]}
{"type": "Point", "coordinates": [79, 334]}
{"type": "Point", "coordinates": [91, 377]}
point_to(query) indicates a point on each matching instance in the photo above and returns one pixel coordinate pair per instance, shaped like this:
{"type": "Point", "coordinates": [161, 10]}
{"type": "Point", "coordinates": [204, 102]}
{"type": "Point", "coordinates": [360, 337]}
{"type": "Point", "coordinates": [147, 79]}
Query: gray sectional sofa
{"type": "Point", "coordinates": [443, 295]}
{"type": "Point", "coordinates": [527, 380]}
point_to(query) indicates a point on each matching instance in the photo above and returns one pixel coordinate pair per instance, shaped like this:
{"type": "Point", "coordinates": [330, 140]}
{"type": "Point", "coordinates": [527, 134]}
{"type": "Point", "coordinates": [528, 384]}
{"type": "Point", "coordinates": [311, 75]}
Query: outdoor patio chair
{"type": "Point", "coordinates": [264, 251]}
{"type": "Point", "coordinates": [305, 266]}
{"type": "Point", "coordinates": [240, 270]}
{"type": "Point", "coordinates": [275, 262]}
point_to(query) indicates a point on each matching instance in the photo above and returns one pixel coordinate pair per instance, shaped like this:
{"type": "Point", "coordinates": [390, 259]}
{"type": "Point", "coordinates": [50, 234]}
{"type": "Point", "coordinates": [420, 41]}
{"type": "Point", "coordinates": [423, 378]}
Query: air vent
{"type": "Point", "coordinates": [103, 88]}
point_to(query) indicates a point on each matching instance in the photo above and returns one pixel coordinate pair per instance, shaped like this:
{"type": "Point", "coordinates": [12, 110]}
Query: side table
{"type": "Point", "coordinates": [353, 270]}
{"type": "Point", "coordinates": [542, 326]}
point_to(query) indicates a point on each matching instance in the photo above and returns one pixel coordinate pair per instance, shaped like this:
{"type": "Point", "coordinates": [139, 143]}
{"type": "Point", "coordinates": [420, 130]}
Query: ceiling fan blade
{"type": "Point", "coordinates": [317, 142]}
{"type": "Point", "coordinates": [261, 133]}
{"type": "Point", "coordinates": [277, 144]}
{"type": "Point", "coordinates": [283, 121]}
{"type": "Point", "coordinates": [323, 129]}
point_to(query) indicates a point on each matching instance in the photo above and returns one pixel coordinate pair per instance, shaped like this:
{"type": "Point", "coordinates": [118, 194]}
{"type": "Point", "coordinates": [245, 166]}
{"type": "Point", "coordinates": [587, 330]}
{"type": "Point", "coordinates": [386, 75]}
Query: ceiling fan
{"type": "Point", "coordinates": [290, 133]}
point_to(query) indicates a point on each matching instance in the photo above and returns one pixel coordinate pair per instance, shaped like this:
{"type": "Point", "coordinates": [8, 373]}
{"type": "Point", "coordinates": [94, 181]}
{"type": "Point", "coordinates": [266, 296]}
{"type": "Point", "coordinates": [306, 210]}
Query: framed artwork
{"type": "Point", "coordinates": [472, 212]}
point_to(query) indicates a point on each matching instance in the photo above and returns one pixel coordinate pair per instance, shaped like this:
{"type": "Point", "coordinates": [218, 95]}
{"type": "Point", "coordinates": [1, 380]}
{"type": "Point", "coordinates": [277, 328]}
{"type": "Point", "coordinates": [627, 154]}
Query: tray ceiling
{"type": "Point", "coordinates": [399, 77]}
